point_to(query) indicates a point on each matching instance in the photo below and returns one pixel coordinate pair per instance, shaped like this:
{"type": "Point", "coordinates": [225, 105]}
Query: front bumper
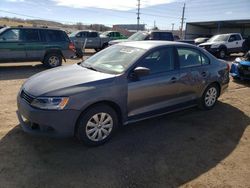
{"type": "Point", "coordinates": [241, 73]}
{"type": "Point", "coordinates": [55, 123]}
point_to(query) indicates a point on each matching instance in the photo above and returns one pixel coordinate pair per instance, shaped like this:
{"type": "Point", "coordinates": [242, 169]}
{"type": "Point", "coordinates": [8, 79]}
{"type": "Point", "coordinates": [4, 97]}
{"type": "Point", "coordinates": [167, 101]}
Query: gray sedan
{"type": "Point", "coordinates": [124, 83]}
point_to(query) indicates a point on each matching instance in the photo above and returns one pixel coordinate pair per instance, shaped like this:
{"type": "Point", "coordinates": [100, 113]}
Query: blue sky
{"type": "Point", "coordinates": [109, 12]}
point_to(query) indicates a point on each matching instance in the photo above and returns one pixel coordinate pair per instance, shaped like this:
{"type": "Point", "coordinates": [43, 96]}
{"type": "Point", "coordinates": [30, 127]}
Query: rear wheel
{"type": "Point", "coordinates": [97, 125]}
{"type": "Point", "coordinates": [209, 97]}
{"type": "Point", "coordinates": [52, 60]}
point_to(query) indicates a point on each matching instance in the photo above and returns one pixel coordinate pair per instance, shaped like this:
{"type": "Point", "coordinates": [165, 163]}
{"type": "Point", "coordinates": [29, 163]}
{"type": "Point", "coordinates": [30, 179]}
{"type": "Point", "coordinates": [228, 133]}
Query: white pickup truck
{"type": "Point", "coordinates": [224, 44]}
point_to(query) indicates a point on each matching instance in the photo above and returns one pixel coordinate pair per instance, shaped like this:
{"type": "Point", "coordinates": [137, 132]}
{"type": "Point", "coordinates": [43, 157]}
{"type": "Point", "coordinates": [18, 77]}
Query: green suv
{"type": "Point", "coordinates": [114, 35]}
{"type": "Point", "coordinates": [49, 46]}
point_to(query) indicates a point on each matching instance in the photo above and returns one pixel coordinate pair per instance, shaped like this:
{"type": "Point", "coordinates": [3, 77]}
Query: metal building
{"type": "Point", "coordinates": [210, 28]}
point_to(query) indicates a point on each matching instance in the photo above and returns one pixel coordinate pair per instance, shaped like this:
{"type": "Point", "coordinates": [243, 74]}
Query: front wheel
{"type": "Point", "coordinates": [222, 53]}
{"type": "Point", "coordinates": [209, 97]}
{"type": "Point", "coordinates": [97, 125]}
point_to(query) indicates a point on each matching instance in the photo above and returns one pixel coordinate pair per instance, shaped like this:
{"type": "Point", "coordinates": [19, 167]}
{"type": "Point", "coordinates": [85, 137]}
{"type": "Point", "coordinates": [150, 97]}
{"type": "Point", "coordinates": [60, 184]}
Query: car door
{"type": "Point", "coordinates": [93, 40]}
{"type": "Point", "coordinates": [194, 72]}
{"type": "Point", "coordinates": [239, 42]}
{"type": "Point", "coordinates": [157, 90]}
{"type": "Point", "coordinates": [232, 44]}
{"type": "Point", "coordinates": [35, 48]}
{"type": "Point", "coordinates": [12, 47]}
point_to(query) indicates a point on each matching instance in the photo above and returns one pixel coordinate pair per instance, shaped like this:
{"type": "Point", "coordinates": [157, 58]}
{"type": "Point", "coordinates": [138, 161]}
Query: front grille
{"type": "Point", "coordinates": [28, 98]}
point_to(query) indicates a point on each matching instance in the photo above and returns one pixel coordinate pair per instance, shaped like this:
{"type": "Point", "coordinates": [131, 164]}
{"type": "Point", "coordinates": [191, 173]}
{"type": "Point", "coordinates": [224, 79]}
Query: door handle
{"type": "Point", "coordinates": [173, 79]}
{"type": "Point", "coordinates": [204, 74]}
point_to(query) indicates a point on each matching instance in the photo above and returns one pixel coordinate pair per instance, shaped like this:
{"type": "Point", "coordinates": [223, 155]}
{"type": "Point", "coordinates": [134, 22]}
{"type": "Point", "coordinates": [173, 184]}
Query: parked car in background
{"type": "Point", "coordinates": [124, 83]}
{"type": "Point", "coordinates": [188, 41]}
{"type": "Point", "coordinates": [147, 35]}
{"type": "Point", "coordinates": [240, 68]}
{"type": "Point", "coordinates": [114, 35]}
{"type": "Point", "coordinates": [49, 46]}
{"type": "Point", "coordinates": [94, 40]}
{"type": "Point", "coordinates": [246, 44]}
{"type": "Point", "coordinates": [224, 44]}
{"type": "Point", "coordinates": [200, 40]}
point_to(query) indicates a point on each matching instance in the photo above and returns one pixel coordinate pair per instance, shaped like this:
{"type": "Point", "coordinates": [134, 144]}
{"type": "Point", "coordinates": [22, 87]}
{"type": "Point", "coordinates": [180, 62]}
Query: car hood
{"type": "Point", "coordinates": [65, 80]}
{"type": "Point", "coordinates": [118, 41]}
{"type": "Point", "coordinates": [211, 43]}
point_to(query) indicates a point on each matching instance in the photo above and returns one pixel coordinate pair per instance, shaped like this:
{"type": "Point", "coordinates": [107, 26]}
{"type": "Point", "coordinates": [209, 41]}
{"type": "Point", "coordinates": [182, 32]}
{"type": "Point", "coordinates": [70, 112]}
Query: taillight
{"type": "Point", "coordinates": [228, 67]}
{"type": "Point", "coordinates": [71, 46]}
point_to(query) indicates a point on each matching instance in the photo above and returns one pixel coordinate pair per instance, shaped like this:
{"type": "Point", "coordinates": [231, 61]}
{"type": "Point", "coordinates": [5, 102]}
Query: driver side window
{"type": "Point", "coordinates": [11, 35]}
{"type": "Point", "coordinates": [158, 61]}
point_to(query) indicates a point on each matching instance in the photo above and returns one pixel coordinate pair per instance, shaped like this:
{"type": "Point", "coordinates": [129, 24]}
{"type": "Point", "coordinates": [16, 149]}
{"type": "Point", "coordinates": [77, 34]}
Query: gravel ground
{"type": "Point", "coordinates": [191, 148]}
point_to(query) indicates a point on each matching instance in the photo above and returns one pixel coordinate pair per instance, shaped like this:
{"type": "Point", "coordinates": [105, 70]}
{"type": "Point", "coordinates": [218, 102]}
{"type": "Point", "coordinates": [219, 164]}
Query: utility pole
{"type": "Point", "coordinates": [182, 20]}
{"type": "Point", "coordinates": [172, 27]}
{"type": "Point", "coordinates": [138, 14]}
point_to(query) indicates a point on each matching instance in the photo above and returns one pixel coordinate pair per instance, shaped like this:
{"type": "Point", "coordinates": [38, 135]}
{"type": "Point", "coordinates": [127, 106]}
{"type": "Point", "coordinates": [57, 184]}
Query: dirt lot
{"type": "Point", "coordinates": [191, 148]}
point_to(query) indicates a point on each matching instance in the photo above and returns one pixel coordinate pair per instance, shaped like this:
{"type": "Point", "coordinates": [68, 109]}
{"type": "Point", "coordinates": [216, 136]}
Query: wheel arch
{"type": "Point", "coordinates": [111, 104]}
{"type": "Point", "coordinates": [216, 83]}
{"type": "Point", "coordinates": [50, 51]}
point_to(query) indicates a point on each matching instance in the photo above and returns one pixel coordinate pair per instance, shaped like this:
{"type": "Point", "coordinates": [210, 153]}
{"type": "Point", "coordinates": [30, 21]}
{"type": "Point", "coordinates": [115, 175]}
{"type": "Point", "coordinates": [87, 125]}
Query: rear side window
{"type": "Point", "coordinates": [55, 36]}
{"type": "Point", "coordinates": [167, 36]}
{"type": "Point", "coordinates": [237, 37]}
{"type": "Point", "coordinates": [154, 36]}
{"type": "Point", "coordinates": [30, 35]}
{"type": "Point", "coordinates": [92, 34]}
{"type": "Point", "coordinates": [10, 35]}
{"type": "Point", "coordinates": [190, 58]}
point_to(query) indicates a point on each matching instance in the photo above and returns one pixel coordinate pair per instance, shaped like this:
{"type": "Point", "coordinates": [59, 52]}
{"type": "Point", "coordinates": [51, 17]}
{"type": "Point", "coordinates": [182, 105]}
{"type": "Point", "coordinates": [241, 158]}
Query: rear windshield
{"type": "Point", "coordinates": [161, 36]}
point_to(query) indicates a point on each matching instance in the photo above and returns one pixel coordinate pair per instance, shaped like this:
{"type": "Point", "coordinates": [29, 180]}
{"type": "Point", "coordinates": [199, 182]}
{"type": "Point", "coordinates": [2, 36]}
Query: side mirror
{"type": "Point", "coordinates": [78, 35]}
{"type": "Point", "coordinates": [141, 71]}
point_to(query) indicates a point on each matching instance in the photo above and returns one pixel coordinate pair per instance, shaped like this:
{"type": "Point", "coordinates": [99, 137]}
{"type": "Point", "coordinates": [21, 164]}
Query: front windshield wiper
{"type": "Point", "coordinates": [88, 66]}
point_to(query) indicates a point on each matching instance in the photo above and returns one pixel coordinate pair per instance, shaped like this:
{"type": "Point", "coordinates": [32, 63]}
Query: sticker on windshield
{"type": "Point", "coordinates": [127, 50]}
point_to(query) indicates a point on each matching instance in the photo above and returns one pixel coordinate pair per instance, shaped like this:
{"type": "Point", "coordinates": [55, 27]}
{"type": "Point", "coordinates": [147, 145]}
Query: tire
{"type": "Point", "coordinates": [105, 45]}
{"type": "Point", "coordinates": [52, 60]}
{"type": "Point", "coordinates": [89, 129]}
{"type": "Point", "coordinates": [222, 53]}
{"type": "Point", "coordinates": [209, 97]}
{"type": "Point", "coordinates": [97, 49]}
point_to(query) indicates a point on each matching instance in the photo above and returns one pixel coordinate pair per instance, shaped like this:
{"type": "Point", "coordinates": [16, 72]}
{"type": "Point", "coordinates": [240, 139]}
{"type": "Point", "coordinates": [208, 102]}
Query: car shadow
{"type": "Point", "coordinates": [242, 82]}
{"type": "Point", "coordinates": [167, 151]}
{"type": "Point", "coordinates": [14, 72]}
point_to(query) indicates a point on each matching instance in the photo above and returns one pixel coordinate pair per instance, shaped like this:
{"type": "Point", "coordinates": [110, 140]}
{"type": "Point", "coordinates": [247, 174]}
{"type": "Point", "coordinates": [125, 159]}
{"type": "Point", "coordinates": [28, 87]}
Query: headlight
{"type": "Point", "coordinates": [50, 103]}
{"type": "Point", "coordinates": [215, 45]}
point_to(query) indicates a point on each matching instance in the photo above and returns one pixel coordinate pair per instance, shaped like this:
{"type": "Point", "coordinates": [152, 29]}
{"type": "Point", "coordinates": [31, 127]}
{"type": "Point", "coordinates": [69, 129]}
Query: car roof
{"type": "Point", "coordinates": [87, 31]}
{"type": "Point", "coordinates": [152, 44]}
{"type": "Point", "coordinates": [45, 28]}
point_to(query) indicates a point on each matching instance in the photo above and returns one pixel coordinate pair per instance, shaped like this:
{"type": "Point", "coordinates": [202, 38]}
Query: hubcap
{"type": "Point", "coordinates": [211, 97]}
{"type": "Point", "coordinates": [54, 61]}
{"type": "Point", "coordinates": [99, 126]}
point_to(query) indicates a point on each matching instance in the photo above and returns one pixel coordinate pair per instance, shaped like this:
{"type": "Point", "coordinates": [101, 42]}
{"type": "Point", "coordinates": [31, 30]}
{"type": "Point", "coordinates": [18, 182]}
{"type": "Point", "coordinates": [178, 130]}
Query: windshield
{"type": "Point", "coordinates": [113, 60]}
{"type": "Point", "coordinates": [3, 29]}
{"type": "Point", "coordinates": [105, 33]}
{"type": "Point", "coordinates": [217, 38]}
{"type": "Point", "coordinates": [73, 34]}
{"type": "Point", "coordinates": [138, 36]}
